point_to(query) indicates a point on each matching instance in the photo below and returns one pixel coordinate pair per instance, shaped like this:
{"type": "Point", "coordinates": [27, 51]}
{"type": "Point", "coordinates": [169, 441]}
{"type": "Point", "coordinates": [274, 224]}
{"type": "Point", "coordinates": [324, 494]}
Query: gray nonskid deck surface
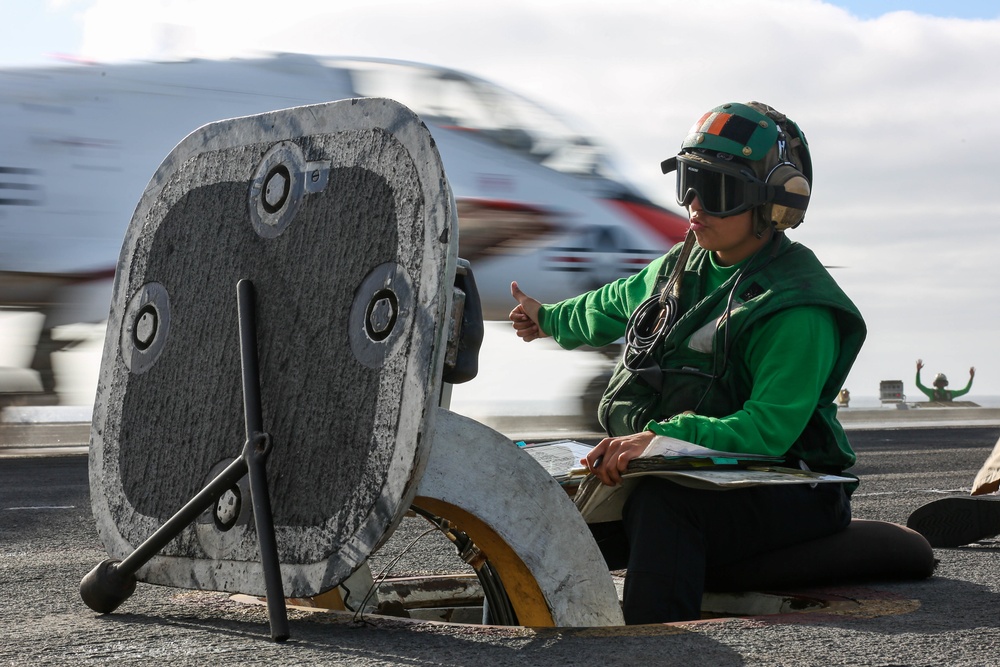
{"type": "Point", "coordinates": [48, 541]}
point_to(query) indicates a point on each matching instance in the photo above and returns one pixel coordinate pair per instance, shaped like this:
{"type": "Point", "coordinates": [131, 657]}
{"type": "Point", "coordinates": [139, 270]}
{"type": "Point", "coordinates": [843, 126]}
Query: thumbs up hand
{"type": "Point", "coordinates": [525, 315]}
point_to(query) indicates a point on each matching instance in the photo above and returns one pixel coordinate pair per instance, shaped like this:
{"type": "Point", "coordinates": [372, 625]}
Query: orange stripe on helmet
{"type": "Point", "coordinates": [700, 123]}
{"type": "Point", "coordinates": [718, 123]}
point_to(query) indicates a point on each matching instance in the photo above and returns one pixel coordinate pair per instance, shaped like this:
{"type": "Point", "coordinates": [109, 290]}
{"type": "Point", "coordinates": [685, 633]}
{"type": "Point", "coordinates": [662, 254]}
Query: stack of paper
{"type": "Point", "coordinates": [681, 462]}
{"type": "Point", "coordinates": [561, 459]}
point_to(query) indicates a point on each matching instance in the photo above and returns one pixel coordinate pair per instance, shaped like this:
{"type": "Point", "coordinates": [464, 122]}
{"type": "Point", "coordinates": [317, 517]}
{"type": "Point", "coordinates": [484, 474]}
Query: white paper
{"type": "Point", "coordinates": [668, 447]}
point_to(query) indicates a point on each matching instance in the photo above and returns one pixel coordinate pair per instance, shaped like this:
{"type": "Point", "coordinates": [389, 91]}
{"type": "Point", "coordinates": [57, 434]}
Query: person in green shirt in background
{"type": "Point", "coordinates": [939, 393]}
{"type": "Point", "coordinates": [738, 340]}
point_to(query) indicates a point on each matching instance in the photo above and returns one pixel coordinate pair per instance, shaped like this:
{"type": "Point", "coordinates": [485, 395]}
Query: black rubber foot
{"type": "Point", "coordinates": [952, 522]}
{"type": "Point", "coordinates": [104, 587]}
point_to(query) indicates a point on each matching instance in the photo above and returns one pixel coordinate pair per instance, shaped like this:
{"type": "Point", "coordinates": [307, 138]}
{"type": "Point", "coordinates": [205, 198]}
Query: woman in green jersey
{"type": "Point", "coordinates": [738, 340]}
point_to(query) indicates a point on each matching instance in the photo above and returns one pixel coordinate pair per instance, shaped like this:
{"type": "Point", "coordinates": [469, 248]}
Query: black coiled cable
{"type": "Point", "coordinates": [647, 327]}
{"type": "Point", "coordinates": [652, 320]}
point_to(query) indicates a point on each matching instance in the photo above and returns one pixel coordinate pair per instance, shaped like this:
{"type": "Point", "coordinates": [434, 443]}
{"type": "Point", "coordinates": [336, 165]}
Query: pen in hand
{"type": "Point", "coordinates": [584, 470]}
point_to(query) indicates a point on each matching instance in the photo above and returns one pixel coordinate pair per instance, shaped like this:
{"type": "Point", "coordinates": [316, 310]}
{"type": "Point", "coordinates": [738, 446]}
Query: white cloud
{"type": "Point", "coordinates": [897, 110]}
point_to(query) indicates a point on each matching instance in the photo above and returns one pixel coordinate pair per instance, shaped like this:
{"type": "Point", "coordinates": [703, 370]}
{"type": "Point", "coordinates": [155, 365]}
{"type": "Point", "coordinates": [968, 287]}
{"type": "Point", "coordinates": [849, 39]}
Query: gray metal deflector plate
{"type": "Point", "coordinates": [341, 216]}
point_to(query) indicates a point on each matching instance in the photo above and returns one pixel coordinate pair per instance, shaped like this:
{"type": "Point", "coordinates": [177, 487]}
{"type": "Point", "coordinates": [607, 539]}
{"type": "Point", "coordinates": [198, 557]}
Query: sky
{"type": "Point", "coordinates": [894, 97]}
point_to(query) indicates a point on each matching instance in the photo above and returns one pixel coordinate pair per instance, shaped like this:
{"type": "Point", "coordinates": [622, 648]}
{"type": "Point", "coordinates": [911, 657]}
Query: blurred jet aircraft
{"type": "Point", "coordinates": [537, 201]}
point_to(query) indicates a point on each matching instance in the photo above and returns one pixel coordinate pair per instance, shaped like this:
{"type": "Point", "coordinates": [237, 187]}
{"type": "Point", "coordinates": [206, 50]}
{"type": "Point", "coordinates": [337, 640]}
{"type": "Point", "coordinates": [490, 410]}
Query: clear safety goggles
{"type": "Point", "coordinates": [723, 189]}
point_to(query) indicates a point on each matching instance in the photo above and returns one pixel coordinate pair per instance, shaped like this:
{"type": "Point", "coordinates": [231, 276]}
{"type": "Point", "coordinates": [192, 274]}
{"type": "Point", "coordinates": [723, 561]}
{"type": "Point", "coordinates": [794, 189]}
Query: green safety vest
{"type": "Point", "coordinates": [792, 277]}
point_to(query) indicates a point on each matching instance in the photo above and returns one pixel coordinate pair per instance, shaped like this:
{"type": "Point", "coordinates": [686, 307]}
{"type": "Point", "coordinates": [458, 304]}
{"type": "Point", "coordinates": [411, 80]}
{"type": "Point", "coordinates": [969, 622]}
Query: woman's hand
{"type": "Point", "coordinates": [525, 315]}
{"type": "Point", "coordinates": [609, 459]}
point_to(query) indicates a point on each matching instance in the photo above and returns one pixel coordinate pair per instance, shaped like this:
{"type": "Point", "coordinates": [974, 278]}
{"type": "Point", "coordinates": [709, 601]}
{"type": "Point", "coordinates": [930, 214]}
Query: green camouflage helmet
{"type": "Point", "coordinates": [768, 141]}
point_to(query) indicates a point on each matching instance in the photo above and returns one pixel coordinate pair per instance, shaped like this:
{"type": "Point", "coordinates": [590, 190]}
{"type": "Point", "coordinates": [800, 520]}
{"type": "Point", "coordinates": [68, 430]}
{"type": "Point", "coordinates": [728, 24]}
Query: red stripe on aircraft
{"type": "Point", "coordinates": [504, 205]}
{"type": "Point", "coordinates": [668, 226]}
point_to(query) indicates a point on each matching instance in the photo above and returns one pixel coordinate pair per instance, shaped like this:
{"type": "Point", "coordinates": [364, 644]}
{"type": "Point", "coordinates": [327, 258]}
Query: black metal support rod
{"type": "Point", "coordinates": [255, 453]}
{"type": "Point", "coordinates": [155, 543]}
{"type": "Point", "coordinates": [277, 613]}
{"type": "Point", "coordinates": [112, 582]}
{"type": "Point", "coordinates": [252, 413]}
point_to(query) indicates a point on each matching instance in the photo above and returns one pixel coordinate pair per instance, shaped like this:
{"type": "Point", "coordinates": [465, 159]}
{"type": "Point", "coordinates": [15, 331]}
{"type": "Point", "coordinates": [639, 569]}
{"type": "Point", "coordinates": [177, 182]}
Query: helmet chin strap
{"type": "Point", "coordinates": [673, 286]}
{"type": "Point", "coordinates": [761, 224]}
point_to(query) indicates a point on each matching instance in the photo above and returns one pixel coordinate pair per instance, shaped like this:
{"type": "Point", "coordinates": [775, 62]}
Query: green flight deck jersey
{"type": "Point", "coordinates": [764, 383]}
{"type": "Point", "coordinates": [940, 394]}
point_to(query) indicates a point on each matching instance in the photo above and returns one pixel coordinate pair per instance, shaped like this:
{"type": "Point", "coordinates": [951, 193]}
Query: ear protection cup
{"type": "Point", "coordinates": [780, 168]}
{"type": "Point", "coordinates": [792, 180]}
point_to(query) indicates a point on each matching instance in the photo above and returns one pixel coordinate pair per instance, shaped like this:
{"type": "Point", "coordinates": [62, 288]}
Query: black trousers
{"type": "Point", "coordinates": [671, 535]}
